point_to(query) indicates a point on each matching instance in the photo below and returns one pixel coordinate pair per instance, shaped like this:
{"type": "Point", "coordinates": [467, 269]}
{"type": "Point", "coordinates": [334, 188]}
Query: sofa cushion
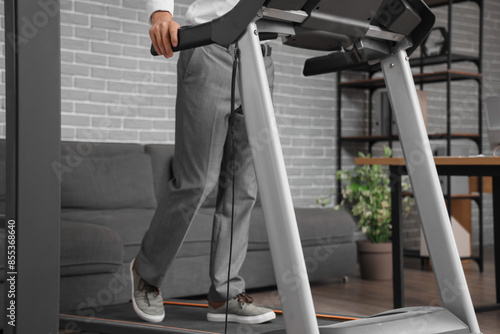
{"type": "Point", "coordinates": [129, 224]}
{"type": "Point", "coordinates": [132, 224]}
{"type": "Point", "coordinates": [85, 249]}
{"type": "Point", "coordinates": [89, 249]}
{"type": "Point", "coordinates": [317, 227]}
{"type": "Point", "coordinates": [122, 181]}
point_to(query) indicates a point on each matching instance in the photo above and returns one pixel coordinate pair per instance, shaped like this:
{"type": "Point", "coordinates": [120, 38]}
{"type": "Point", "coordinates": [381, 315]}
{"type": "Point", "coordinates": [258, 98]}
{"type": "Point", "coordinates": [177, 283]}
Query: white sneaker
{"type": "Point", "coordinates": [146, 298]}
{"type": "Point", "coordinates": [241, 310]}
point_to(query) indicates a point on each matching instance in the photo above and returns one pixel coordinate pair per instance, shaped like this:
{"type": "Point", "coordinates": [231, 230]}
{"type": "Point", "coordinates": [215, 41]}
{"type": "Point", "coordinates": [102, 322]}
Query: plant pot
{"type": "Point", "coordinates": [375, 260]}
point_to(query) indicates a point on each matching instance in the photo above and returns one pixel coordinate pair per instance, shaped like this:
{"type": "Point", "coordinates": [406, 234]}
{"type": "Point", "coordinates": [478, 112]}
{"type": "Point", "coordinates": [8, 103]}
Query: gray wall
{"type": "Point", "coordinates": [113, 90]}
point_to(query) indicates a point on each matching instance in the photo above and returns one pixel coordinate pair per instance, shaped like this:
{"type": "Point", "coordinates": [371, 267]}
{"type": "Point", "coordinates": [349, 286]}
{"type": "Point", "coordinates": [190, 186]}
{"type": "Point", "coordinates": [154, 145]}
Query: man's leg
{"type": "Point", "coordinates": [202, 113]}
{"type": "Point", "coordinates": [245, 188]}
{"type": "Point", "coordinates": [241, 308]}
{"type": "Point", "coordinates": [245, 192]}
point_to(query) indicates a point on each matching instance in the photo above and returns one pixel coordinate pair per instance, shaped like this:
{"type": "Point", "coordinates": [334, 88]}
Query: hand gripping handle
{"type": "Point", "coordinates": [224, 30]}
{"type": "Point", "coordinates": [191, 37]}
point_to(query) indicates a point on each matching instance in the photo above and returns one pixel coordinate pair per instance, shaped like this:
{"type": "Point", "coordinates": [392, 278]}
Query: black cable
{"type": "Point", "coordinates": [233, 167]}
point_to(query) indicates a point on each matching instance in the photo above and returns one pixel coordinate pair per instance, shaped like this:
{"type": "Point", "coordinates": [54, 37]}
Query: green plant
{"type": "Point", "coordinates": [367, 192]}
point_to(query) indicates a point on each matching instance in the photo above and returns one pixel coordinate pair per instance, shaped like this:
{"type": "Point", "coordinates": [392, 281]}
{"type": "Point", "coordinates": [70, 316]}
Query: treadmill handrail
{"type": "Point", "coordinates": [224, 30]}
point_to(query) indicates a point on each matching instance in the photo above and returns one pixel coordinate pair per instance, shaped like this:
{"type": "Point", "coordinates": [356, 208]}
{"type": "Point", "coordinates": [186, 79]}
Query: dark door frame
{"type": "Point", "coordinates": [33, 132]}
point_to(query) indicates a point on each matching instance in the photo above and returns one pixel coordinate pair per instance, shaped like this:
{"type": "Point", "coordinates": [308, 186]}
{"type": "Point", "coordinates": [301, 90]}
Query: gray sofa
{"type": "Point", "coordinates": [109, 193]}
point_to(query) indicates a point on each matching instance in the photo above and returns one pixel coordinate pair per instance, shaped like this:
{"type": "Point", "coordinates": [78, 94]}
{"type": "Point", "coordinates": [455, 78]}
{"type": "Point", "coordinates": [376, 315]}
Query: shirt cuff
{"type": "Point", "coordinates": [156, 5]}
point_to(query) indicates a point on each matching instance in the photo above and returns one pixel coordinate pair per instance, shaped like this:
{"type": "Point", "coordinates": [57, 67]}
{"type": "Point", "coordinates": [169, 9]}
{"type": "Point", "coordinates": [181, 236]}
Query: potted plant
{"type": "Point", "coordinates": [366, 193]}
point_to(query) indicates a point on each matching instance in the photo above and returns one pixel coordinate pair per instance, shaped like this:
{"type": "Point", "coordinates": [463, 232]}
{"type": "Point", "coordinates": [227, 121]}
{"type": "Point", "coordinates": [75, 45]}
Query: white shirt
{"type": "Point", "coordinates": [200, 11]}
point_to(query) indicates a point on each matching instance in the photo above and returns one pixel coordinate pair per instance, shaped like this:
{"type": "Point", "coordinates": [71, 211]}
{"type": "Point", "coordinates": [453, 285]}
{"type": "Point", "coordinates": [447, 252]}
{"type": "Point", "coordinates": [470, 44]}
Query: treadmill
{"type": "Point", "coordinates": [351, 33]}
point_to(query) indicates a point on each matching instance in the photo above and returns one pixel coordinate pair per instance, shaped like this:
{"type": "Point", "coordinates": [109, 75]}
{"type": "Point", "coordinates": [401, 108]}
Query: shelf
{"type": "Point", "coordinates": [473, 136]}
{"type": "Point", "coordinates": [438, 60]}
{"type": "Point", "coordinates": [424, 61]}
{"type": "Point", "coordinates": [434, 136]}
{"type": "Point", "coordinates": [436, 3]}
{"type": "Point", "coordinates": [419, 78]}
{"type": "Point", "coordinates": [366, 139]}
{"type": "Point", "coordinates": [453, 196]}
{"type": "Point", "coordinates": [465, 196]}
{"type": "Point", "coordinates": [445, 161]}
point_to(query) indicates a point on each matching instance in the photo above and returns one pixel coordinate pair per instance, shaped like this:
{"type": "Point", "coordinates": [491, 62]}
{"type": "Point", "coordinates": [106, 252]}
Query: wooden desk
{"type": "Point", "coordinates": [460, 166]}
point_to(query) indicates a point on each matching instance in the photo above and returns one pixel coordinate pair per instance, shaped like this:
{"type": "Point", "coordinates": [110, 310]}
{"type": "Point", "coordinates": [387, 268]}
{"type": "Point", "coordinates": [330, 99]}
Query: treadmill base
{"type": "Point", "coordinates": [121, 319]}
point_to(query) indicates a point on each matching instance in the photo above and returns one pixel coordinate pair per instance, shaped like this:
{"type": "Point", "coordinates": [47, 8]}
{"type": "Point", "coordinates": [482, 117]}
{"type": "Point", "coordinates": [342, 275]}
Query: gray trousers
{"type": "Point", "coordinates": [201, 162]}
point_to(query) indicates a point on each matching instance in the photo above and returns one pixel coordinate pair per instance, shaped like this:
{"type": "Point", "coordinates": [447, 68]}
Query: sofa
{"type": "Point", "coordinates": [109, 193]}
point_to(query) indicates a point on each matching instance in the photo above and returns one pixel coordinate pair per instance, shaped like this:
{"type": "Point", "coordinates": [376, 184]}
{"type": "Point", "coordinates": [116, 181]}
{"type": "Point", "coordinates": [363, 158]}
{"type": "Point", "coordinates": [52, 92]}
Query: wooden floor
{"type": "Point", "coordinates": [358, 297]}
{"type": "Point", "coordinates": [362, 297]}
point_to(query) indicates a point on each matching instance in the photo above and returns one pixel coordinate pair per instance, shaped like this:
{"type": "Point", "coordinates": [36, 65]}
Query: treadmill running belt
{"type": "Point", "coordinates": [121, 319]}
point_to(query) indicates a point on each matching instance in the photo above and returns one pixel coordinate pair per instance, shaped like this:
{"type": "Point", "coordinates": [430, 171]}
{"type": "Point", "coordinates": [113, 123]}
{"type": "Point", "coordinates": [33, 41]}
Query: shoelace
{"type": "Point", "coordinates": [145, 286]}
{"type": "Point", "coordinates": [244, 298]}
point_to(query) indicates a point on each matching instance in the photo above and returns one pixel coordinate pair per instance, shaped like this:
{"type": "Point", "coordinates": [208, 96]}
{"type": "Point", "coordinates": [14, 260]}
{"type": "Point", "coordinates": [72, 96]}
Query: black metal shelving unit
{"type": "Point", "coordinates": [447, 76]}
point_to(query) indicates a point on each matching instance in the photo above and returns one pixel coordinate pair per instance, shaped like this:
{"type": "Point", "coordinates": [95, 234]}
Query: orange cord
{"type": "Point", "coordinates": [322, 316]}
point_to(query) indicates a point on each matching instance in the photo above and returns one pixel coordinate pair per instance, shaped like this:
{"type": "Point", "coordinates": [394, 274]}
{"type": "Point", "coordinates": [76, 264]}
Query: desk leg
{"type": "Point", "coordinates": [397, 238]}
{"type": "Point", "coordinates": [496, 241]}
{"type": "Point", "coordinates": [496, 231]}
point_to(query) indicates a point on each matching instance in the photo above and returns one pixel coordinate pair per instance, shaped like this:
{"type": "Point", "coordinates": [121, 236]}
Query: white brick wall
{"type": "Point", "coordinates": [113, 90]}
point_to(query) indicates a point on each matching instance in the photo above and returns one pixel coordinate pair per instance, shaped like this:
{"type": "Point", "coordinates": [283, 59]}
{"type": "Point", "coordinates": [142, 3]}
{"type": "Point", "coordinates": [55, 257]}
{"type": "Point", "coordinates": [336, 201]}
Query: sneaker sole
{"type": "Point", "coordinates": [144, 316]}
{"type": "Point", "coordinates": [247, 320]}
